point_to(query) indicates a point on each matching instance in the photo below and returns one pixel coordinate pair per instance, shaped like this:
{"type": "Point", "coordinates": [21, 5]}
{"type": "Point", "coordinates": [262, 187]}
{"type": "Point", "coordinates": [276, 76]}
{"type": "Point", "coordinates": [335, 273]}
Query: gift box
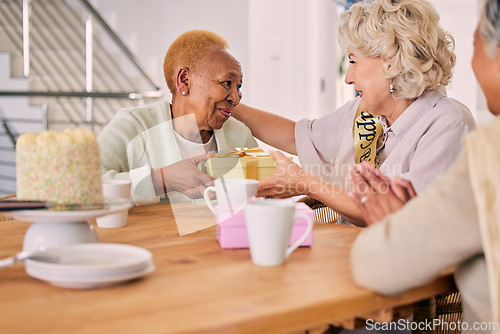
{"type": "Point", "coordinates": [232, 232]}
{"type": "Point", "coordinates": [242, 163]}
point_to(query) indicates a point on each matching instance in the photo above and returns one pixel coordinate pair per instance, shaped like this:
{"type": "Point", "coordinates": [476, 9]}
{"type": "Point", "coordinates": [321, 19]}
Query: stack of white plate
{"type": "Point", "coordinates": [91, 265]}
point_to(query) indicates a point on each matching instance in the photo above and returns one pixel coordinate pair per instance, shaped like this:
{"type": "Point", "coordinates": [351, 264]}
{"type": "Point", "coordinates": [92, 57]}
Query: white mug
{"type": "Point", "coordinates": [269, 225]}
{"type": "Point", "coordinates": [115, 188]}
{"type": "Point", "coordinates": [231, 193]}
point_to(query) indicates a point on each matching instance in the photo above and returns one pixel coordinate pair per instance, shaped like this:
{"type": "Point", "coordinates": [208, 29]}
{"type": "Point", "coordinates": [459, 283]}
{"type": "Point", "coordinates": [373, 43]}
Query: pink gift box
{"type": "Point", "coordinates": [232, 232]}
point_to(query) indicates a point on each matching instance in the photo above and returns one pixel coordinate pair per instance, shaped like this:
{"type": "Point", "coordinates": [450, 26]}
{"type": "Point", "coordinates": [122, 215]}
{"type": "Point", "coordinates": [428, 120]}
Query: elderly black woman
{"type": "Point", "coordinates": [455, 222]}
{"type": "Point", "coordinates": [158, 146]}
{"type": "Point", "coordinates": [400, 61]}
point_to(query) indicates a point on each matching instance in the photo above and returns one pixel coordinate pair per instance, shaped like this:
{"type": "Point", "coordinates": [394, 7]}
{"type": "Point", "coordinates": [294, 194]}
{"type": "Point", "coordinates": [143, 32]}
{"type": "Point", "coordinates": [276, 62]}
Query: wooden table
{"type": "Point", "coordinates": [197, 287]}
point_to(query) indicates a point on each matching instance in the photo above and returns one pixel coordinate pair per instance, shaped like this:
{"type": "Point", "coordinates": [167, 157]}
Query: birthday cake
{"type": "Point", "coordinates": [59, 167]}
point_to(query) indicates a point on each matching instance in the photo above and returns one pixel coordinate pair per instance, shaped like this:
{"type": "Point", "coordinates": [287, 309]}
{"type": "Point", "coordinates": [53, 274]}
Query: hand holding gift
{"type": "Point", "coordinates": [184, 177]}
{"type": "Point", "coordinates": [289, 179]}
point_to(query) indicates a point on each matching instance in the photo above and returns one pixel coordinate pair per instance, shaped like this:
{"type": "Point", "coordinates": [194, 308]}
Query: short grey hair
{"type": "Point", "coordinates": [489, 27]}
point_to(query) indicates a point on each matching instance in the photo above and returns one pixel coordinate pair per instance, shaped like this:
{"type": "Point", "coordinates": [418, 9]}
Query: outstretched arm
{"type": "Point", "coordinates": [289, 179]}
{"type": "Point", "coordinates": [272, 129]}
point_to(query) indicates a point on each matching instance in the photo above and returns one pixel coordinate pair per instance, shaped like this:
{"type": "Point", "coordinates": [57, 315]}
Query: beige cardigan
{"type": "Point", "coordinates": [441, 228]}
{"type": "Point", "coordinates": [483, 149]}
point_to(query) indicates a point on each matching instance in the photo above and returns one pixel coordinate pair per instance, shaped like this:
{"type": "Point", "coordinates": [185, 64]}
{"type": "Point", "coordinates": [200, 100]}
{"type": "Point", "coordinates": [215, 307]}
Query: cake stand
{"type": "Point", "coordinates": [51, 229]}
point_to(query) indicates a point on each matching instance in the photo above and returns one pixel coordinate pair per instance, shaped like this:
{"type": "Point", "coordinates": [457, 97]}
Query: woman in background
{"type": "Point", "coordinates": [454, 223]}
{"type": "Point", "coordinates": [158, 146]}
{"type": "Point", "coordinates": [402, 120]}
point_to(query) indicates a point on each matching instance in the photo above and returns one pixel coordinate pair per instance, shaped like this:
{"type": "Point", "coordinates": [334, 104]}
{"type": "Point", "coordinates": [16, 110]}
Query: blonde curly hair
{"type": "Point", "coordinates": [188, 50]}
{"type": "Point", "coordinates": [418, 53]}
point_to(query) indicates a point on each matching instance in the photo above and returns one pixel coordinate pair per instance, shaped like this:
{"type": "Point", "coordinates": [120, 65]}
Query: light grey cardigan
{"type": "Point", "coordinates": [139, 139]}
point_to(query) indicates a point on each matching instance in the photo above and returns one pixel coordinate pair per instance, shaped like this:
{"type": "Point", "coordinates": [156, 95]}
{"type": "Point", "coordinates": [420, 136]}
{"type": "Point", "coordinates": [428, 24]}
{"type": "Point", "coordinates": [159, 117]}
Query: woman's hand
{"type": "Point", "coordinates": [184, 177]}
{"type": "Point", "coordinates": [375, 194]}
{"type": "Point", "coordinates": [289, 179]}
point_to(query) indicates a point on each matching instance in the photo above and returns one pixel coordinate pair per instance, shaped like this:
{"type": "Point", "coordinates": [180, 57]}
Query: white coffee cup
{"type": "Point", "coordinates": [115, 189]}
{"type": "Point", "coordinates": [231, 193]}
{"type": "Point", "coordinates": [269, 225]}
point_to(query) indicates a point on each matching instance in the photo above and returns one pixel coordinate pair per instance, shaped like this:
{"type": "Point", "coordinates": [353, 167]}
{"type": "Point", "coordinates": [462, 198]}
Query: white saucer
{"type": "Point", "coordinates": [92, 265]}
{"type": "Point", "coordinates": [44, 215]}
{"type": "Point", "coordinates": [82, 282]}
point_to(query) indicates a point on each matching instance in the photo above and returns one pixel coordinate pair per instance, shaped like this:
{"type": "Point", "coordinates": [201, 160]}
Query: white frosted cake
{"type": "Point", "coordinates": [60, 167]}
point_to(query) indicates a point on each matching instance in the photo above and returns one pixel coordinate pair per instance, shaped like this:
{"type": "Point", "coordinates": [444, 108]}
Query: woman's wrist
{"type": "Point", "coordinates": [160, 181]}
{"type": "Point", "coordinates": [312, 185]}
{"type": "Point", "coordinates": [236, 111]}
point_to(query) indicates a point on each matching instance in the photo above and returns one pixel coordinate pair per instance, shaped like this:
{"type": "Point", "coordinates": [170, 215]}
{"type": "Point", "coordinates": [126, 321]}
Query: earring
{"type": "Point", "coordinates": [183, 93]}
{"type": "Point", "coordinates": [391, 89]}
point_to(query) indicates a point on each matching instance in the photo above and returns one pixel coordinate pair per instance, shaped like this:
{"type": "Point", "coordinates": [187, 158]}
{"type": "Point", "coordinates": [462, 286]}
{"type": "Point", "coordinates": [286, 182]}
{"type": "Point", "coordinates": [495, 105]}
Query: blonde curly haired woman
{"type": "Point", "coordinates": [400, 61]}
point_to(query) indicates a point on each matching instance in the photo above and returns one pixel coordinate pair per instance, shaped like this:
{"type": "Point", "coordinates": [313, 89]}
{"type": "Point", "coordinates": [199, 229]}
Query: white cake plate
{"type": "Point", "coordinates": [111, 205]}
{"type": "Point", "coordinates": [51, 229]}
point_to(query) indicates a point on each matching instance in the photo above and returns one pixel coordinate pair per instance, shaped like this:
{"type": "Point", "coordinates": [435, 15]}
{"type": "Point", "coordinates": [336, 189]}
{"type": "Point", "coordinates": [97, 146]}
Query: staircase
{"type": "Point", "coordinates": [61, 67]}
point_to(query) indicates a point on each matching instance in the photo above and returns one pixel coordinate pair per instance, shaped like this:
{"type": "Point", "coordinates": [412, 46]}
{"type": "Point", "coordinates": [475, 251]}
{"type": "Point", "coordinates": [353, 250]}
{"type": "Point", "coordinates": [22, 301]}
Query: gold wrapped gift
{"type": "Point", "coordinates": [242, 163]}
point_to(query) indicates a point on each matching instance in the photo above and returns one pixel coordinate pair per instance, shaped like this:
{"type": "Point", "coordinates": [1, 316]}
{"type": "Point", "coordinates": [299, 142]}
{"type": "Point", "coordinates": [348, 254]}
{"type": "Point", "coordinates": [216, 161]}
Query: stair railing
{"type": "Point", "coordinates": [88, 93]}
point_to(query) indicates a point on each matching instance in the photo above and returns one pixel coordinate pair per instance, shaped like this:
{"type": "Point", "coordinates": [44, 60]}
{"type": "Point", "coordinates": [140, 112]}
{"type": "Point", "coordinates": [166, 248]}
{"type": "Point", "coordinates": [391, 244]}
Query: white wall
{"type": "Point", "coordinates": [460, 18]}
{"type": "Point", "coordinates": [291, 56]}
{"type": "Point", "coordinates": [462, 31]}
{"type": "Point", "coordinates": [148, 27]}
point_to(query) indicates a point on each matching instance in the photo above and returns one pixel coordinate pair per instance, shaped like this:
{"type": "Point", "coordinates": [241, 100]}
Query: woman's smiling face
{"type": "Point", "coordinates": [215, 88]}
{"type": "Point", "coordinates": [367, 77]}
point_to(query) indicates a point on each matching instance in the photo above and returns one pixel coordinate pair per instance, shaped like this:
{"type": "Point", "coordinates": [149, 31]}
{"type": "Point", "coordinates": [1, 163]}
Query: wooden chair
{"type": "Point", "coordinates": [449, 309]}
{"type": "Point", "coordinates": [322, 213]}
{"type": "Point", "coordinates": [446, 307]}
